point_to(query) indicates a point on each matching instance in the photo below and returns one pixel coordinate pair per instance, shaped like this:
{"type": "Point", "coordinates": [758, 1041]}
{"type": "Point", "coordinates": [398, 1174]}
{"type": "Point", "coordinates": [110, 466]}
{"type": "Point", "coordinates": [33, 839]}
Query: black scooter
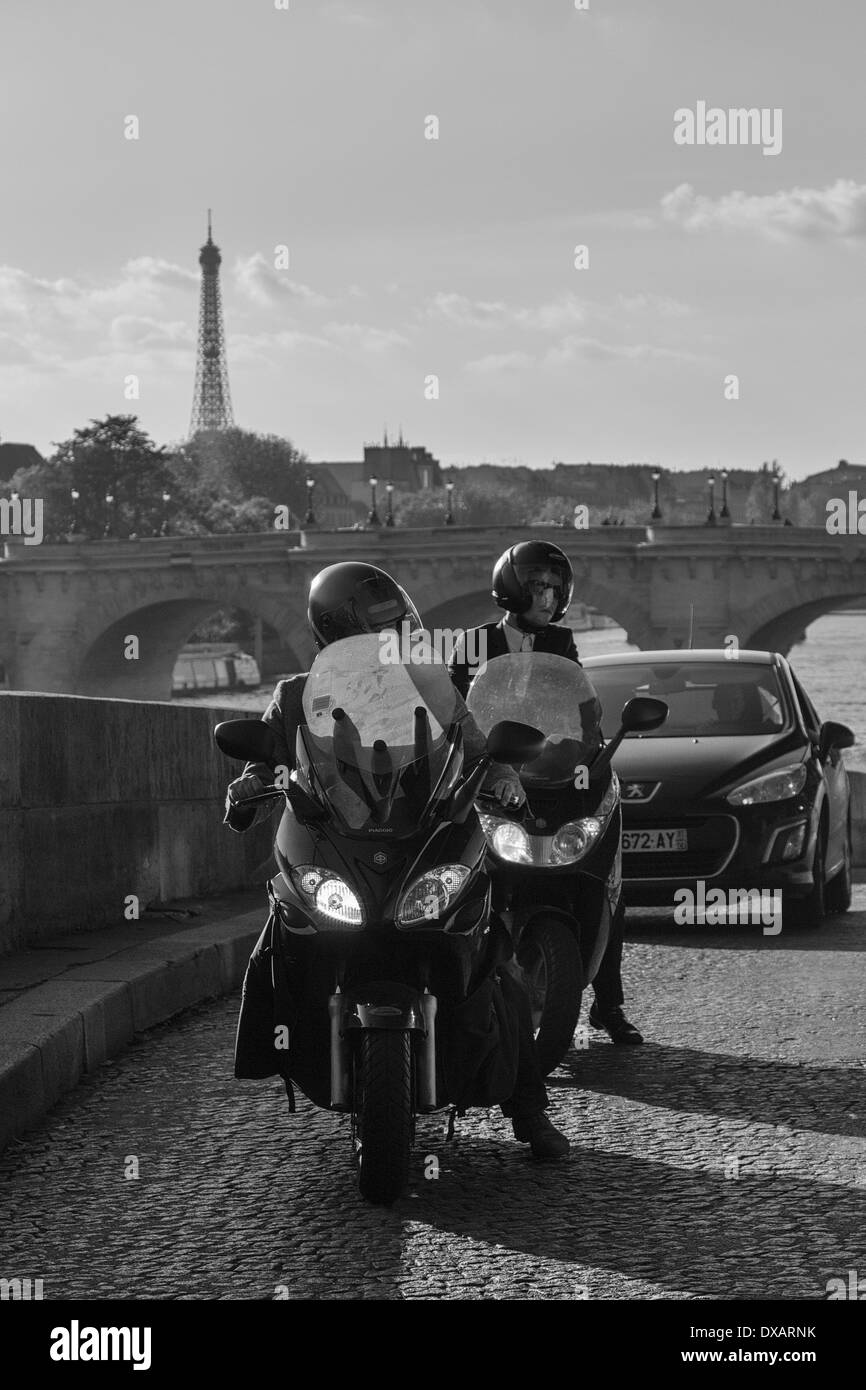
{"type": "Point", "coordinates": [381, 911]}
{"type": "Point", "coordinates": [556, 861]}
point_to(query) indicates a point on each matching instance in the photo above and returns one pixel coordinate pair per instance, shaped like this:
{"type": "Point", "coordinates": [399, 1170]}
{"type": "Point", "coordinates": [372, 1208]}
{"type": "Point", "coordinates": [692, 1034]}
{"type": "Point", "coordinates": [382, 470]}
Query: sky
{"type": "Point", "coordinates": [411, 258]}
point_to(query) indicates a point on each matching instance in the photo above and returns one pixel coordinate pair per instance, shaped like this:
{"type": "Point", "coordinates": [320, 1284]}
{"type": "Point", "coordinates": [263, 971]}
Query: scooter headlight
{"type": "Point", "coordinates": [431, 895]}
{"type": "Point", "coordinates": [331, 896]}
{"type": "Point", "coordinates": [574, 839]}
{"type": "Point", "coordinates": [507, 839]}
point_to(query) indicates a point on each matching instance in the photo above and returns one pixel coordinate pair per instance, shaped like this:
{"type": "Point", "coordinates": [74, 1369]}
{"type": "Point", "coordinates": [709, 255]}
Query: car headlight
{"type": "Point", "coordinates": [329, 895]}
{"type": "Point", "coordinates": [507, 839]}
{"type": "Point", "coordinates": [610, 798]}
{"type": "Point", "coordinates": [773, 786]}
{"type": "Point", "coordinates": [431, 895]}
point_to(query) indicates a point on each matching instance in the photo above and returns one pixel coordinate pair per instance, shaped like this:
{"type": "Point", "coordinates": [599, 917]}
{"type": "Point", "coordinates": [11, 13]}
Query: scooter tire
{"type": "Point", "coordinates": [383, 1114]}
{"type": "Point", "coordinates": [549, 952]}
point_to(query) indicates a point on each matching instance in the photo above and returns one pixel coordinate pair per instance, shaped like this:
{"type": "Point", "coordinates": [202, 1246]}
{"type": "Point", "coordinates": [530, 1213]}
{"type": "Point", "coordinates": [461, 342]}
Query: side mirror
{"type": "Point", "coordinates": [511, 742]}
{"type": "Point", "coordinates": [639, 715]}
{"type": "Point", "coordinates": [834, 735]}
{"type": "Point", "coordinates": [248, 740]}
{"type": "Point", "coordinates": [643, 713]}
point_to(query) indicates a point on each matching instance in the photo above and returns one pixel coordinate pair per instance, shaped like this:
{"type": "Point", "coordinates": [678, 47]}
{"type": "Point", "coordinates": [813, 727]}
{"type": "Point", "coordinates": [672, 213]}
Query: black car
{"type": "Point", "coordinates": [742, 788]}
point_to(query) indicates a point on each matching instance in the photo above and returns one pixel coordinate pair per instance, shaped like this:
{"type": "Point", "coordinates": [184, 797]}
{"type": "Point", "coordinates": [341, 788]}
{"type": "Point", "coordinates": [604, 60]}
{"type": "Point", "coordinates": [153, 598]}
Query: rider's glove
{"type": "Point", "coordinates": [240, 816]}
{"type": "Point", "coordinates": [242, 787]}
{"type": "Point", "coordinates": [508, 791]}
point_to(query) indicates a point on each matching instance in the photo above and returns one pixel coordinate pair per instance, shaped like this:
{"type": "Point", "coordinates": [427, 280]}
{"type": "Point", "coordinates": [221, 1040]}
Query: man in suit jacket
{"type": "Point", "coordinates": [534, 583]}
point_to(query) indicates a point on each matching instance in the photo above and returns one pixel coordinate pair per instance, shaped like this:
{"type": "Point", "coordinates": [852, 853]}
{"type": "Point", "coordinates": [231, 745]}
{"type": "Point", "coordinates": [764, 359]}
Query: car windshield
{"type": "Point", "coordinates": [380, 746]}
{"type": "Point", "coordinates": [715, 699]}
{"type": "Point", "coordinates": [548, 692]}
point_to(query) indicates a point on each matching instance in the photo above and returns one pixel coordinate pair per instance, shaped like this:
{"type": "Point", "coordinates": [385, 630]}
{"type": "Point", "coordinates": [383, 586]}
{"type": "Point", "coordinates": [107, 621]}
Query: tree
{"type": "Point", "coordinates": [219, 467]}
{"type": "Point", "coordinates": [473, 505]}
{"type": "Point", "coordinates": [112, 457]}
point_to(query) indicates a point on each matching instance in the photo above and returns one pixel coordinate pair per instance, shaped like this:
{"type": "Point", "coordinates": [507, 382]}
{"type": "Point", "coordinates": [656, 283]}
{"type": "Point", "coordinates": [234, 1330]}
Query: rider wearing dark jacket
{"type": "Point", "coordinates": [346, 600]}
{"type": "Point", "coordinates": [534, 582]}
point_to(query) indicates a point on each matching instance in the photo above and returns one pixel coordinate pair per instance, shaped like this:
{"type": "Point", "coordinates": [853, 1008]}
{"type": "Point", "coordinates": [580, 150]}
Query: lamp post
{"type": "Point", "coordinates": [711, 514]}
{"type": "Point", "coordinates": [724, 514]}
{"type": "Point", "coordinates": [166, 498]}
{"type": "Point", "coordinates": [74, 496]}
{"type": "Point", "coordinates": [389, 519]}
{"type": "Point", "coordinates": [656, 511]}
{"type": "Point", "coordinates": [777, 515]}
{"type": "Point", "coordinates": [310, 518]}
{"type": "Point", "coordinates": [449, 514]}
{"type": "Point", "coordinates": [109, 514]}
{"type": "Point", "coordinates": [373, 518]}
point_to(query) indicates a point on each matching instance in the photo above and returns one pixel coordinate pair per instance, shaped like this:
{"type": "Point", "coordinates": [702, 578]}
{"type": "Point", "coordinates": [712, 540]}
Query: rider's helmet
{"type": "Point", "coordinates": [517, 567]}
{"type": "Point", "coordinates": [351, 598]}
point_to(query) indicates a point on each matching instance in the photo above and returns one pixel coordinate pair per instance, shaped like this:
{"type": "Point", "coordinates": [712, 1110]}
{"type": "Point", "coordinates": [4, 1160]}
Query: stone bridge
{"type": "Point", "coordinates": [67, 611]}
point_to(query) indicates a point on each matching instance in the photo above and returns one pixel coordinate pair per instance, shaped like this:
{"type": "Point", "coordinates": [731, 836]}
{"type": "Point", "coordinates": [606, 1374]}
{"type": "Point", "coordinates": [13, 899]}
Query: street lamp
{"type": "Point", "coordinates": [373, 518]}
{"type": "Point", "coordinates": [310, 518]}
{"type": "Point", "coordinates": [389, 519]}
{"type": "Point", "coordinates": [109, 504]}
{"type": "Point", "coordinates": [777, 515]}
{"type": "Point", "coordinates": [711, 514]}
{"type": "Point", "coordinates": [449, 515]}
{"type": "Point", "coordinates": [656, 511]}
{"type": "Point", "coordinates": [166, 498]}
{"type": "Point", "coordinates": [724, 513]}
{"type": "Point", "coordinates": [74, 495]}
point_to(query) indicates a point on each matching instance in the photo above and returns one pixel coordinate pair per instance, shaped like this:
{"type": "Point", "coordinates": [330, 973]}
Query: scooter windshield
{"type": "Point", "coordinates": [552, 694]}
{"type": "Point", "coordinates": [380, 745]}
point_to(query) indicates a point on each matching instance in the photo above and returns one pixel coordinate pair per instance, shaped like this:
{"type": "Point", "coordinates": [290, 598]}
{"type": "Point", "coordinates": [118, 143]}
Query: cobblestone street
{"type": "Point", "coordinates": [723, 1159]}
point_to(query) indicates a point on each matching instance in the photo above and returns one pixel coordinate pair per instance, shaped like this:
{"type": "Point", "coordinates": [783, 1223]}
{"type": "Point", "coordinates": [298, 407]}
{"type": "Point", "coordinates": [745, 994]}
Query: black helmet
{"type": "Point", "coordinates": [352, 598]}
{"type": "Point", "coordinates": [515, 568]}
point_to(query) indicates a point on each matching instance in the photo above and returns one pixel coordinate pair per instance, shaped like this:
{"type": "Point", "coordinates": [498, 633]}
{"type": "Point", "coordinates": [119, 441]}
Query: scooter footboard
{"type": "Point", "coordinates": [383, 1004]}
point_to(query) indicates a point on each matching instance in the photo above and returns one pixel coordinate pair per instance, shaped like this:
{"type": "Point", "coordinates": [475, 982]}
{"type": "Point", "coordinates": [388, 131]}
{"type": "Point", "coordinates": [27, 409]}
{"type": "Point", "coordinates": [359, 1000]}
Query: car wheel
{"type": "Point", "coordinates": [838, 894]}
{"type": "Point", "coordinates": [810, 912]}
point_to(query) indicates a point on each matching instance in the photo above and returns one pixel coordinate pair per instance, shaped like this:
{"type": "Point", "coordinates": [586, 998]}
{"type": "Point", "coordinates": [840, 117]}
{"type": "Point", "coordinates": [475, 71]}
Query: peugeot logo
{"type": "Point", "coordinates": [640, 791]}
{"type": "Point", "coordinates": [380, 857]}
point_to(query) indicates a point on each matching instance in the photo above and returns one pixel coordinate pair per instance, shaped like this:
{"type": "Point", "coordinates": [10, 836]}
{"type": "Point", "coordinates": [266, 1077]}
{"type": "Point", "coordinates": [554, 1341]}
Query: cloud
{"type": "Point", "coordinates": [835, 213]}
{"type": "Point", "coordinates": [468, 313]}
{"type": "Point", "coordinates": [260, 282]}
{"type": "Point", "coordinates": [580, 349]}
{"type": "Point", "coordinates": [500, 362]}
{"type": "Point", "coordinates": [133, 331]}
{"type": "Point", "coordinates": [479, 313]}
{"type": "Point", "coordinates": [660, 305]}
{"type": "Point", "coordinates": [361, 335]}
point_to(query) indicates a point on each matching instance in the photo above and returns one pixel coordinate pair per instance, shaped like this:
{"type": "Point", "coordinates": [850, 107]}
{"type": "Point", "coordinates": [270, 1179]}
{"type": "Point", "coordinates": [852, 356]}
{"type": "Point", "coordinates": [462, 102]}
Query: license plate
{"type": "Point", "coordinates": [650, 841]}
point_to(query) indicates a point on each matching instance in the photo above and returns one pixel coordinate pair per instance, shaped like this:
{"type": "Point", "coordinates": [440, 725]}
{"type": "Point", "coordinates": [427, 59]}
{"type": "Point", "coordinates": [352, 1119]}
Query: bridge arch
{"type": "Point", "coordinates": [161, 627]}
{"type": "Point", "coordinates": [782, 631]}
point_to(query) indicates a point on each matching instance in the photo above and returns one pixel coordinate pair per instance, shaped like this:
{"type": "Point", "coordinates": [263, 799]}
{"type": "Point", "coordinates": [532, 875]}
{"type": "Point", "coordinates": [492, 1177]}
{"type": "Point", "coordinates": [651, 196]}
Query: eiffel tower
{"type": "Point", "coordinates": [211, 402]}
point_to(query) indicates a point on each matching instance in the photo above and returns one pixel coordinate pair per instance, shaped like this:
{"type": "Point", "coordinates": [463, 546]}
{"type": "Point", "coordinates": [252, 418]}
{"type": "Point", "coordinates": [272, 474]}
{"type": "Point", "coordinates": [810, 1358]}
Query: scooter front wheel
{"type": "Point", "coordinates": [383, 1113]}
{"type": "Point", "coordinates": [550, 958]}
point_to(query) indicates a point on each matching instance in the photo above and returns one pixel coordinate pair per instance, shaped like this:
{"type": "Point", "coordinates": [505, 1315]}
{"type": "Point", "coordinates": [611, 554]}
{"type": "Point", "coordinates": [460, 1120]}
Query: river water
{"type": "Point", "coordinates": [831, 665]}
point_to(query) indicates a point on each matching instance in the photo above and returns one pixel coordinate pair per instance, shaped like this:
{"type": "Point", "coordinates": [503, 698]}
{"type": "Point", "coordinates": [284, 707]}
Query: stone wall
{"type": "Point", "coordinates": [100, 799]}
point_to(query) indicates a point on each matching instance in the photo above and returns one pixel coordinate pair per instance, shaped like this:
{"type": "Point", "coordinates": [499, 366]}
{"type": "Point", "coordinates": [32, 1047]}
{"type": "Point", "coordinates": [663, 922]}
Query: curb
{"type": "Point", "coordinates": [57, 1031]}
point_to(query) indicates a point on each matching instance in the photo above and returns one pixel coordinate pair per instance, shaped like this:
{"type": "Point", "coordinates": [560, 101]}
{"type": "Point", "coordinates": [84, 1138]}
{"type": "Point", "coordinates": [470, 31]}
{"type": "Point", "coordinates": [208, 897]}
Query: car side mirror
{"type": "Point", "coordinates": [833, 735]}
{"type": "Point", "coordinates": [643, 713]}
{"type": "Point", "coordinates": [248, 740]}
{"type": "Point", "coordinates": [511, 742]}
